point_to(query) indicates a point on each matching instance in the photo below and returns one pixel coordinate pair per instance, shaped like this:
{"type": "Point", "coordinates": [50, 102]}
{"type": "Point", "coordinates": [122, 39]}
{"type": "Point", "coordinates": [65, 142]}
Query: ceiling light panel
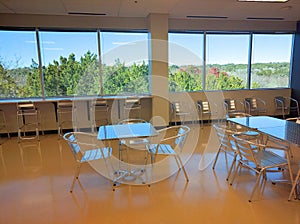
{"type": "Point", "coordinates": [282, 1]}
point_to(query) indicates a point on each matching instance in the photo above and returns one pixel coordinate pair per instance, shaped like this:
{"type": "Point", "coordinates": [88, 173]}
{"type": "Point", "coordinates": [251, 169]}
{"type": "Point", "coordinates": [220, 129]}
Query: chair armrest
{"type": "Point", "coordinates": [261, 101]}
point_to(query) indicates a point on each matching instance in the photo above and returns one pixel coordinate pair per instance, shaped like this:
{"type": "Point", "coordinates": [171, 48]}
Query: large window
{"type": "Point", "coordinates": [185, 62]}
{"type": "Point", "coordinates": [47, 63]}
{"type": "Point", "coordinates": [125, 62]}
{"type": "Point", "coordinates": [226, 61]}
{"type": "Point", "coordinates": [271, 55]}
{"type": "Point", "coordinates": [70, 63]}
{"type": "Point", "coordinates": [19, 73]}
{"type": "Point", "coordinates": [229, 62]}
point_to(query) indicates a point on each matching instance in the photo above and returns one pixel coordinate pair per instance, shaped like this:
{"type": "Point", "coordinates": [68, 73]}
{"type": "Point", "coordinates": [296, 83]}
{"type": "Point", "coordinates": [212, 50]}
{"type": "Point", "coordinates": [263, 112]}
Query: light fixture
{"type": "Point", "coordinates": [87, 13]}
{"type": "Point", "coordinates": [207, 17]}
{"type": "Point", "coordinates": [279, 1]}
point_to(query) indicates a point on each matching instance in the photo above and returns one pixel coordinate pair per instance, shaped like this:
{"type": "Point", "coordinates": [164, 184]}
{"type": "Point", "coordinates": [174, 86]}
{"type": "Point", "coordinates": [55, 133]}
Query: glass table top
{"type": "Point", "coordinates": [123, 131]}
{"type": "Point", "coordinates": [278, 128]}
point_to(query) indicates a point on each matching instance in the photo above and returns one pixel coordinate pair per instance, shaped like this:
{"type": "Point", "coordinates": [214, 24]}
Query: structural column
{"type": "Point", "coordinates": [295, 75]}
{"type": "Point", "coordinates": [158, 26]}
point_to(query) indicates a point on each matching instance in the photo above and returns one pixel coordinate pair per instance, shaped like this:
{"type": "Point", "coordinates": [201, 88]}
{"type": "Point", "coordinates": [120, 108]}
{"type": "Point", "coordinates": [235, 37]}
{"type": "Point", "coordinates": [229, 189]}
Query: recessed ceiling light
{"type": "Point", "coordinates": [282, 1]}
{"type": "Point", "coordinates": [207, 17]}
{"type": "Point", "coordinates": [265, 18]}
{"type": "Point", "coordinates": [87, 13]}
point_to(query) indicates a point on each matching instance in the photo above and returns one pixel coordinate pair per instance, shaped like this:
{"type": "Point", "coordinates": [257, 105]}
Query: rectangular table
{"type": "Point", "coordinates": [123, 132]}
{"type": "Point", "coordinates": [282, 129]}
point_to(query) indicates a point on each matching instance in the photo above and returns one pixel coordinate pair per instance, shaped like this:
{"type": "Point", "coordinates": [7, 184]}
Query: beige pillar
{"type": "Point", "coordinates": [158, 26]}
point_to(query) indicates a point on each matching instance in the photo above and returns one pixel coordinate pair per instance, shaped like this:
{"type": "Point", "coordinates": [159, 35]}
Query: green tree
{"type": "Point", "coordinates": [8, 87]}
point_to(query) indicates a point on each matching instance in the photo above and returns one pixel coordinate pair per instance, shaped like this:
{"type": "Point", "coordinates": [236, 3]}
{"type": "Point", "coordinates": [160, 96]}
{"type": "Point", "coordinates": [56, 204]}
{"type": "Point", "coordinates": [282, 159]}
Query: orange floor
{"type": "Point", "coordinates": [35, 181]}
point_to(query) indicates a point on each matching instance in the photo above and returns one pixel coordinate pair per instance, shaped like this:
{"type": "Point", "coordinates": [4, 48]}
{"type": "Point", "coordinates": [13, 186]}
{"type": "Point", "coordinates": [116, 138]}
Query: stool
{"type": "Point", "coordinates": [132, 106]}
{"type": "Point", "coordinates": [27, 116]}
{"type": "Point", "coordinates": [64, 112]}
{"type": "Point", "coordinates": [3, 124]}
{"type": "Point", "coordinates": [99, 113]}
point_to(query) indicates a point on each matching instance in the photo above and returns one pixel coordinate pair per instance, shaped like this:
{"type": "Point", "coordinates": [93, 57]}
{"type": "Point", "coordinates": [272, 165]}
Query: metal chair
{"type": "Point", "coordinates": [99, 113]}
{"type": "Point", "coordinates": [3, 124]}
{"type": "Point", "coordinates": [180, 110]}
{"type": "Point", "coordinates": [294, 119]}
{"type": "Point", "coordinates": [28, 119]}
{"type": "Point", "coordinates": [255, 106]}
{"type": "Point", "coordinates": [286, 105]}
{"type": "Point", "coordinates": [85, 149]}
{"type": "Point", "coordinates": [133, 143]}
{"type": "Point", "coordinates": [204, 109]}
{"type": "Point", "coordinates": [294, 189]}
{"type": "Point", "coordinates": [233, 106]}
{"type": "Point", "coordinates": [259, 158]}
{"type": "Point", "coordinates": [227, 144]}
{"type": "Point", "coordinates": [132, 107]}
{"type": "Point", "coordinates": [64, 115]}
{"type": "Point", "coordinates": [170, 142]}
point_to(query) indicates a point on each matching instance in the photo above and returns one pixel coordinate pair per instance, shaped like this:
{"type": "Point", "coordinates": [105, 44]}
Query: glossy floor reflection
{"type": "Point", "coordinates": [35, 180]}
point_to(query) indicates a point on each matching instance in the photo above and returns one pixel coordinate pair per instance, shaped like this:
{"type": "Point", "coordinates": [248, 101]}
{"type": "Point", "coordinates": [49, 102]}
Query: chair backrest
{"type": "Point", "coordinates": [176, 106]}
{"type": "Point", "coordinates": [280, 102]}
{"type": "Point", "coordinates": [132, 121]}
{"type": "Point", "coordinates": [203, 106]}
{"type": "Point", "coordinates": [230, 104]}
{"type": "Point", "coordinates": [181, 136]}
{"type": "Point", "coordinates": [64, 106]}
{"type": "Point", "coordinates": [70, 137]}
{"type": "Point", "coordinates": [99, 105]}
{"type": "Point", "coordinates": [223, 133]}
{"type": "Point", "coordinates": [174, 136]}
{"type": "Point", "coordinates": [132, 103]}
{"type": "Point", "coordinates": [245, 148]}
{"type": "Point", "coordinates": [26, 107]}
{"type": "Point", "coordinates": [251, 103]}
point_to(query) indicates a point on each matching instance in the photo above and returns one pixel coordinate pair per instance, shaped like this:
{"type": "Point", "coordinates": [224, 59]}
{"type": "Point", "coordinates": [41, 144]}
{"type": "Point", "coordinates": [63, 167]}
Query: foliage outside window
{"type": "Point", "coordinates": [227, 58]}
{"type": "Point", "coordinates": [125, 62]}
{"type": "Point", "coordinates": [271, 55]}
{"type": "Point", "coordinates": [71, 64]}
{"type": "Point", "coordinates": [185, 62]}
{"type": "Point", "coordinates": [19, 72]}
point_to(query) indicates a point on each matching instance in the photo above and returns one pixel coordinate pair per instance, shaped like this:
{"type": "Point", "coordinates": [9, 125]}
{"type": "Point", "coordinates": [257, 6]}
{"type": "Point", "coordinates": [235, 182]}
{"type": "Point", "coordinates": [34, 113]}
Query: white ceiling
{"type": "Point", "coordinates": [232, 9]}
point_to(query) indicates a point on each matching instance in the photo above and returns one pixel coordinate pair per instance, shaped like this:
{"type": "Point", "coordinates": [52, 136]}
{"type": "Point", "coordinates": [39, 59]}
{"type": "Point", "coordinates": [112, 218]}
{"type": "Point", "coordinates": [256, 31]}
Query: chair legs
{"type": "Point", "coordinates": [217, 156]}
{"type": "Point", "coordinates": [76, 175]}
{"type": "Point", "coordinates": [293, 190]}
{"type": "Point", "coordinates": [231, 166]}
{"type": "Point", "coordinates": [181, 166]}
{"type": "Point", "coordinates": [256, 185]}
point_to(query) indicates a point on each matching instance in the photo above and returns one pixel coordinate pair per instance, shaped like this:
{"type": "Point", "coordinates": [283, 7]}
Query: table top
{"type": "Point", "coordinates": [124, 131]}
{"type": "Point", "coordinates": [278, 128]}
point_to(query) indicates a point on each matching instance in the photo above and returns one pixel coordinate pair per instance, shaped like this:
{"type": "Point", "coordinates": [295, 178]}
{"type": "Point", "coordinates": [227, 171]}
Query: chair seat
{"type": "Point", "coordinates": [162, 149]}
{"type": "Point", "coordinates": [95, 154]}
{"type": "Point", "coordinates": [268, 159]}
{"type": "Point", "coordinates": [138, 143]}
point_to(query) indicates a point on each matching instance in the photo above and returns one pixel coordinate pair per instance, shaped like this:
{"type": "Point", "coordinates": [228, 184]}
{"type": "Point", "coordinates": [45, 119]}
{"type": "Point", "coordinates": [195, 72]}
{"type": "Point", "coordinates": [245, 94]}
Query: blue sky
{"type": "Point", "coordinates": [18, 48]}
